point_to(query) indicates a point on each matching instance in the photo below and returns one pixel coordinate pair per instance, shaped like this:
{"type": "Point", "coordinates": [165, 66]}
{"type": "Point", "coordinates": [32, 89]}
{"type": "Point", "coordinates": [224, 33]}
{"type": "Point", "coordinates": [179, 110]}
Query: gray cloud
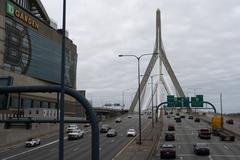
{"type": "Point", "coordinates": [200, 38]}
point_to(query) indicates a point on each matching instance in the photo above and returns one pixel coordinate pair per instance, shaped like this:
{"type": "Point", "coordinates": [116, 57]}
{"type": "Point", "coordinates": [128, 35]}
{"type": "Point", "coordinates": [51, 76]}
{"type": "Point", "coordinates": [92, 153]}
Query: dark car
{"type": "Point", "coordinates": [190, 117]}
{"type": "Point", "coordinates": [182, 116]}
{"type": "Point", "coordinates": [201, 149]}
{"type": "Point", "coordinates": [197, 120]}
{"type": "Point", "coordinates": [229, 121]}
{"type": "Point", "coordinates": [111, 133]}
{"type": "Point", "coordinates": [168, 151]}
{"type": "Point", "coordinates": [178, 119]}
{"type": "Point", "coordinates": [171, 127]}
{"type": "Point", "coordinates": [168, 116]}
{"type": "Point", "coordinates": [166, 113]}
{"type": "Point", "coordinates": [169, 136]}
{"type": "Point", "coordinates": [105, 128]}
{"type": "Point", "coordinates": [204, 133]}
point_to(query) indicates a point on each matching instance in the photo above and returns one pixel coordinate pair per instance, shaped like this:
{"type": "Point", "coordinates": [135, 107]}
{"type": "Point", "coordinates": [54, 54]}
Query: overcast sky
{"type": "Point", "coordinates": [201, 39]}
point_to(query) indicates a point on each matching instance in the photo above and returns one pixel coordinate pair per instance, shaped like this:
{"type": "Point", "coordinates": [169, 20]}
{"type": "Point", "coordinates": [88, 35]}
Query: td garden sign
{"type": "Point", "coordinates": [21, 16]}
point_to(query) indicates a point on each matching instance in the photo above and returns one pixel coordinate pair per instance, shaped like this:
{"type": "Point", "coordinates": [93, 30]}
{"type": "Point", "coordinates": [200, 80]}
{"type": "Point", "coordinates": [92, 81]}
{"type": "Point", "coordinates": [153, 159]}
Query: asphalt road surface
{"type": "Point", "coordinates": [77, 149]}
{"type": "Point", "coordinates": [186, 135]}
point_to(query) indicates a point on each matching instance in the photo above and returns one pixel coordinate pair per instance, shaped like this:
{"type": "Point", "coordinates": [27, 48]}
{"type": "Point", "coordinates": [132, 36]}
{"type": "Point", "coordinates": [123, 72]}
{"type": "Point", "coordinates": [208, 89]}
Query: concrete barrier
{"type": "Point", "coordinates": [17, 135]}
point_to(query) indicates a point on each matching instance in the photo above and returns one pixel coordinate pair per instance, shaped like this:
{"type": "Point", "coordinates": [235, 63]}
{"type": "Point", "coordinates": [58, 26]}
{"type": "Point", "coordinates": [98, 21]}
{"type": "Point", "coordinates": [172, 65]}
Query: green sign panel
{"type": "Point", "coordinates": [184, 101]}
{"type": "Point", "coordinates": [197, 101]}
{"type": "Point", "coordinates": [10, 8]}
{"type": "Point", "coordinates": [170, 101]}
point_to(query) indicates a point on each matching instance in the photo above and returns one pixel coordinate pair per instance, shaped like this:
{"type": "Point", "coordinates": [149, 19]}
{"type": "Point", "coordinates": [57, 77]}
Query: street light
{"type": "Point", "coordinates": [139, 96]}
{"type": "Point", "coordinates": [152, 95]}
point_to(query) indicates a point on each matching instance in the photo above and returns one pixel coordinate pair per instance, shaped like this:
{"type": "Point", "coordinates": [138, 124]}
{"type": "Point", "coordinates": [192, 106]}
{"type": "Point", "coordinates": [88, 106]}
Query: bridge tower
{"type": "Point", "coordinates": [162, 60]}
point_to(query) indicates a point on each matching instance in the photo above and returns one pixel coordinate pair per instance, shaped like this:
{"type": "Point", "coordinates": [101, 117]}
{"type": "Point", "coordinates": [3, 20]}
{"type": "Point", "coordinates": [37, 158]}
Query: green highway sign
{"type": "Point", "coordinates": [184, 101]}
{"type": "Point", "coordinates": [170, 101]}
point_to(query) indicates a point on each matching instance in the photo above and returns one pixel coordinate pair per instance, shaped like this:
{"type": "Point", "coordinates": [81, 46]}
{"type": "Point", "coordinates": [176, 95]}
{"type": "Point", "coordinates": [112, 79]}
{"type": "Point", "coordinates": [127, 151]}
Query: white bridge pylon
{"type": "Point", "coordinates": [162, 60]}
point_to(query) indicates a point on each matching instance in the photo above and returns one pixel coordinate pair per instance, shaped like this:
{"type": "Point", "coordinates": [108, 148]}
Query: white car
{"type": "Point", "coordinates": [75, 134]}
{"type": "Point", "coordinates": [71, 127]}
{"type": "Point", "coordinates": [131, 132]}
{"type": "Point", "coordinates": [31, 142]}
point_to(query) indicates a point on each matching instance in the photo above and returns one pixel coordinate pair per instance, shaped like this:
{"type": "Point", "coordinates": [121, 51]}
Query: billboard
{"type": "Point", "coordinates": [29, 52]}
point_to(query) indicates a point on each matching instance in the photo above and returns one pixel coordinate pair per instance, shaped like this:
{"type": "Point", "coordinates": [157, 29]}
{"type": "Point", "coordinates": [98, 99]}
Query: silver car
{"type": "Point", "coordinates": [31, 142]}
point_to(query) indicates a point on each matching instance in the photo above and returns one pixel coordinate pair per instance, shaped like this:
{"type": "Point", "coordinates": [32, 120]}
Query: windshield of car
{"type": "Point", "coordinates": [105, 126]}
{"type": "Point", "coordinates": [131, 130]}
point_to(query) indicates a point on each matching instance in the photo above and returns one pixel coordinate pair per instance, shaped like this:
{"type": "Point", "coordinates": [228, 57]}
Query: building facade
{"type": "Point", "coordinates": [30, 54]}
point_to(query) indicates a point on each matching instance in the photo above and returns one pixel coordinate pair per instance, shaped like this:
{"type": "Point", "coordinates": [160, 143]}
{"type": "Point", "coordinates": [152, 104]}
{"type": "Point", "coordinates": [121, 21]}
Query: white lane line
{"type": "Point", "coordinates": [210, 157]}
{"type": "Point", "coordinates": [226, 147]}
{"type": "Point", "coordinates": [75, 149]}
{"type": "Point", "coordinates": [13, 156]}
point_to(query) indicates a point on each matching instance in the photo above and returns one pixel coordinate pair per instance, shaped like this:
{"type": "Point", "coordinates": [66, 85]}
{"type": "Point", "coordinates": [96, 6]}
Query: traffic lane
{"type": "Point", "coordinates": [186, 149]}
{"type": "Point", "coordinates": [120, 142]}
{"type": "Point", "coordinates": [53, 151]}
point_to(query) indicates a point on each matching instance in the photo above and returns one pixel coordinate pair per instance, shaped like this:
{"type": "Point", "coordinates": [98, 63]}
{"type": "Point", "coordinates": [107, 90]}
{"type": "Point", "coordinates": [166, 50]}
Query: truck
{"type": "Point", "coordinates": [218, 130]}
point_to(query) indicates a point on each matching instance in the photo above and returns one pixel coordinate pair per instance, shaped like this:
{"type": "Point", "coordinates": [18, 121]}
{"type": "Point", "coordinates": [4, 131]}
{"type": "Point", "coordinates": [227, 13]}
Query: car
{"type": "Point", "coordinates": [118, 120]}
{"type": "Point", "coordinates": [32, 142]}
{"type": "Point", "coordinates": [75, 134]}
{"type": "Point", "coordinates": [197, 120]}
{"type": "Point", "coordinates": [111, 133]}
{"type": "Point", "coordinates": [190, 117]}
{"type": "Point", "coordinates": [229, 121]}
{"type": "Point", "coordinates": [178, 120]}
{"type": "Point", "coordinates": [204, 133]}
{"type": "Point", "coordinates": [168, 151]}
{"type": "Point", "coordinates": [71, 127]}
{"type": "Point", "coordinates": [171, 127]}
{"type": "Point", "coordinates": [169, 136]}
{"type": "Point", "coordinates": [201, 149]}
{"type": "Point", "coordinates": [166, 113]}
{"type": "Point", "coordinates": [182, 116]}
{"type": "Point", "coordinates": [177, 114]}
{"type": "Point", "coordinates": [87, 125]}
{"type": "Point", "coordinates": [105, 128]}
{"type": "Point", "coordinates": [131, 133]}
{"type": "Point", "coordinates": [129, 116]}
{"type": "Point", "coordinates": [171, 112]}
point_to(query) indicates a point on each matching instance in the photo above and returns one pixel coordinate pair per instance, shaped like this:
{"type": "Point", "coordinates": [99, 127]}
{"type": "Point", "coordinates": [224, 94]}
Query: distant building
{"type": "Point", "coordinates": [30, 54]}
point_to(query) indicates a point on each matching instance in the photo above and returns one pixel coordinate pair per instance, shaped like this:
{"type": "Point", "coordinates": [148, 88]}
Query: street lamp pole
{"type": "Point", "coordinates": [139, 95]}
{"type": "Point", "coordinates": [152, 100]}
{"type": "Point", "coordinates": [139, 103]}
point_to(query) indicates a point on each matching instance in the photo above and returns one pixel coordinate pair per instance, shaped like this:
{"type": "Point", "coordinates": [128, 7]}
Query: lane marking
{"type": "Point", "coordinates": [114, 157]}
{"type": "Point", "coordinates": [210, 158]}
{"type": "Point", "coordinates": [226, 147]}
{"type": "Point", "coordinates": [13, 156]}
{"type": "Point", "coordinates": [75, 149]}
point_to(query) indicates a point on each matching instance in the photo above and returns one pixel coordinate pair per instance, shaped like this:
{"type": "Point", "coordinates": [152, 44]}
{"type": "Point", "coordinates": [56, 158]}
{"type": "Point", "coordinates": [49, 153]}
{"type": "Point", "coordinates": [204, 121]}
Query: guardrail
{"type": "Point", "coordinates": [57, 88]}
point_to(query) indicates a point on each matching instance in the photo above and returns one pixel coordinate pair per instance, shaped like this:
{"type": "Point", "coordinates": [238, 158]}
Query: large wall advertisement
{"type": "Point", "coordinates": [29, 52]}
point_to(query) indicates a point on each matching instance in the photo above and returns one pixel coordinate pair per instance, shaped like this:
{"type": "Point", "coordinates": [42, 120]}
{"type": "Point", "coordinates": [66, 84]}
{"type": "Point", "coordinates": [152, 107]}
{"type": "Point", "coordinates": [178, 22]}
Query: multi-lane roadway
{"type": "Point", "coordinates": [186, 135]}
{"type": "Point", "coordinates": [77, 149]}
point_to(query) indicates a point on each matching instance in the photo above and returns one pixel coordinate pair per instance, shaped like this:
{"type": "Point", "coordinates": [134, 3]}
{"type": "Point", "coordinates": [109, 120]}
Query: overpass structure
{"type": "Point", "coordinates": [159, 49]}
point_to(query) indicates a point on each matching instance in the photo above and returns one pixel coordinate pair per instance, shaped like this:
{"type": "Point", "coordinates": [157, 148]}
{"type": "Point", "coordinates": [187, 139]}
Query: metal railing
{"type": "Point", "coordinates": [69, 91]}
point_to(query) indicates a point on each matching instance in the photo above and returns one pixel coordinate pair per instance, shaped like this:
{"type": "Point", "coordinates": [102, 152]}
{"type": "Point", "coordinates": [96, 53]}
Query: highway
{"type": "Point", "coordinates": [186, 135]}
{"type": "Point", "coordinates": [78, 149]}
